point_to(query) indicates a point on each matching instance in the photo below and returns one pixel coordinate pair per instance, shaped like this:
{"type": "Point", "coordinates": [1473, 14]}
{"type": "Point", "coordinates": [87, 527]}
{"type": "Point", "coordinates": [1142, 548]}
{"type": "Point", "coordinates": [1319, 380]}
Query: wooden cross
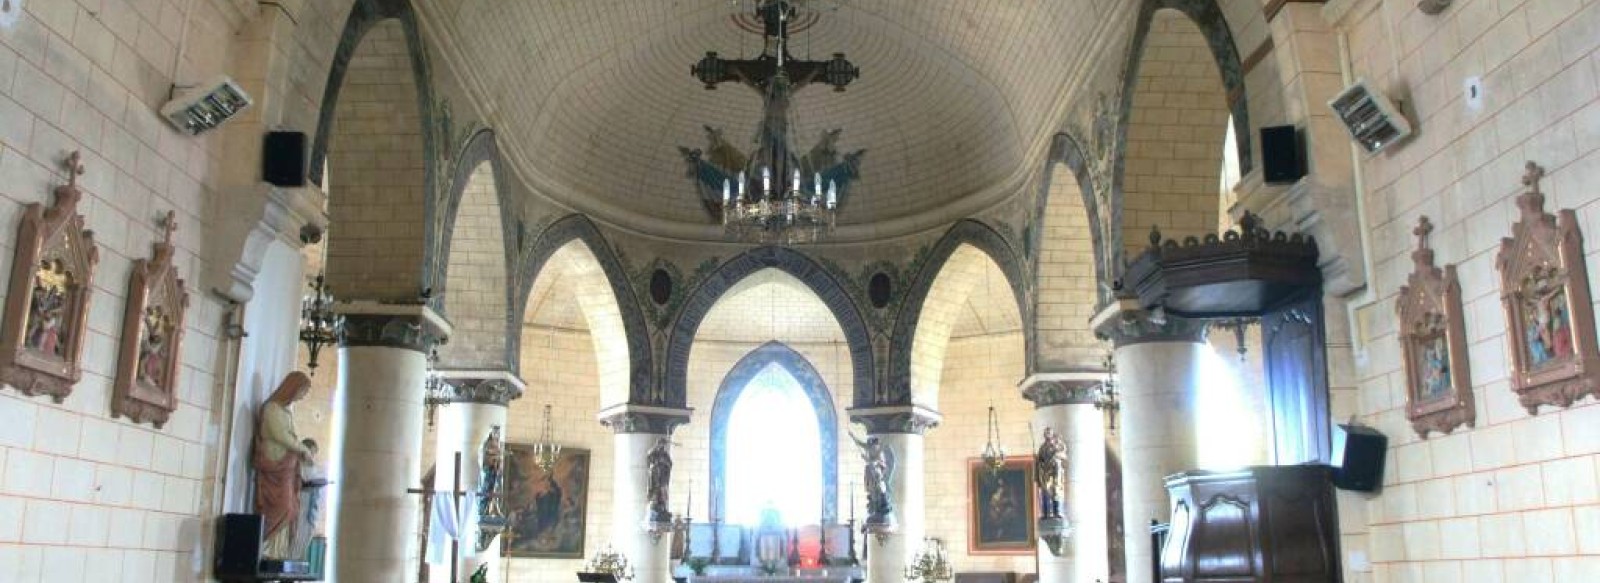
{"type": "Point", "coordinates": [169, 224]}
{"type": "Point", "coordinates": [456, 494]}
{"type": "Point", "coordinates": [1531, 179]}
{"type": "Point", "coordinates": [75, 168]}
{"type": "Point", "coordinates": [1424, 228]}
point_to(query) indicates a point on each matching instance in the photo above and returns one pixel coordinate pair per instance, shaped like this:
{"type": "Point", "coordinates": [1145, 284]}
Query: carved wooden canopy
{"type": "Point", "coordinates": [146, 388]}
{"type": "Point", "coordinates": [47, 309]}
{"type": "Point", "coordinates": [1434, 344]}
{"type": "Point", "coordinates": [1549, 313]}
{"type": "Point", "coordinates": [1241, 273]}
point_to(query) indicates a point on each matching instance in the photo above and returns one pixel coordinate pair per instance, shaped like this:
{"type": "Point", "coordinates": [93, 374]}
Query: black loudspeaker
{"type": "Point", "coordinates": [1358, 458]}
{"type": "Point", "coordinates": [238, 547]}
{"type": "Point", "coordinates": [283, 159]}
{"type": "Point", "coordinates": [1283, 161]}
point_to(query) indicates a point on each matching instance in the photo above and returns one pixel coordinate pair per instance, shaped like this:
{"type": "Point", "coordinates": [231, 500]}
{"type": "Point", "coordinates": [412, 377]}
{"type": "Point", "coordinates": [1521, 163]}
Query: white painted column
{"type": "Point", "coordinates": [901, 430]}
{"type": "Point", "coordinates": [377, 435]}
{"type": "Point", "coordinates": [1064, 402]}
{"type": "Point", "coordinates": [1158, 365]}
{"type": "Point", "coordinates": [637, 430]}
{"type": "Point", "coordinates": [471, 404]}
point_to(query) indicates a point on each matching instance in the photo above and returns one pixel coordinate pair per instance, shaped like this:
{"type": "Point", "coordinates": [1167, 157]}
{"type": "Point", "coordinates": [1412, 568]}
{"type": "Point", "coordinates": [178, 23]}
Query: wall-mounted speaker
{"type": "Point", "coordinates": [1358, 454]}
{"type": "Point", "coordinates": [238, 547]}
{"type": "Point", "coordinates": [1283, 160]}
{"type": "Point", "coordinates": [283, 159]}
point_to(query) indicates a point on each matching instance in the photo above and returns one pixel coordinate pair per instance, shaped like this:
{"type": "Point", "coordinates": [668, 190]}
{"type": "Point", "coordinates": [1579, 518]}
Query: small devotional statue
{"type": "Point", "coordinates": [659, 463]}
{"type": "Point", "coordinates": [491, 460]}
{"type": "Point", "coordinates": [878, 461]}
{"type": "Point", "coordinates": [1050, 464]}
{"type": "Point", "coordinates": [277, 457]}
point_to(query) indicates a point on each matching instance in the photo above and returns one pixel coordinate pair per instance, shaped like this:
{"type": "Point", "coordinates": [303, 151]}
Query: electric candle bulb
{"type": "Point", "coordinates": [796, 181]}
{"type": "Point", "coordinates": [727, 192]}
{"type": "Point", "coordinates": [742, 183]}
{"type": "Point", "coordinates": [833, 194]}
{"type": "Point", "coordinates": [766, 180]}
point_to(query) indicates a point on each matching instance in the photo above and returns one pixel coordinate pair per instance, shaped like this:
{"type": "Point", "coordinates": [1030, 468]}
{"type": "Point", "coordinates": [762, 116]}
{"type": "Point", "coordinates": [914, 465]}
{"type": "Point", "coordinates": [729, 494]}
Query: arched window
{"type": "Point", "coordinates": [774, 441]}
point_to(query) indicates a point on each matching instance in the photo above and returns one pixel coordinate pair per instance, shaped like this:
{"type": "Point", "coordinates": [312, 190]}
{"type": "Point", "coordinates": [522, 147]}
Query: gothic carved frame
{"type": "Point", "coordinates": [54, 253]}
{"type": "Point", "coordinates": [1544, 258]}
{"type": "Point", "coordinates": [1431, 319]}
{"type": "Point", "coordinates": [146, 386]}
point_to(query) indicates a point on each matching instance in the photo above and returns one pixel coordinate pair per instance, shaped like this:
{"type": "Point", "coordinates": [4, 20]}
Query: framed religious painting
{"type": "Point", "coordinates": [146, 386]}
{"type": "Point", "coordinates": [1433, 344]}
{"type": "Point", "coordinates": [1549, 313]}
{"type": "Point", "coordinates": [47, 307]}
{"type": "Point", "coordinates": [1000, 508]}
{"type": "Point", "coordinates": [546, 512]}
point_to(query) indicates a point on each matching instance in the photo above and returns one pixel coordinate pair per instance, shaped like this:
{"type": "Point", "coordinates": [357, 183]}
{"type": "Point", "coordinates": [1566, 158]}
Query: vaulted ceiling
{"type": "Point", "coordinates": [593, 98]}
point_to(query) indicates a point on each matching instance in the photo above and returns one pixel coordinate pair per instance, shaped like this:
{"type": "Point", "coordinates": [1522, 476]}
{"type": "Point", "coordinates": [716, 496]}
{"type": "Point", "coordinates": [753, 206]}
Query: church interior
{"type": "Point", "coordinates": [800, 291]}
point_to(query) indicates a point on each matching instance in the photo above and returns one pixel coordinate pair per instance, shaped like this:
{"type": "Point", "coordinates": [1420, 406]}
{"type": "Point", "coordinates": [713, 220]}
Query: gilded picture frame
{"type": "Point", "coordinates": [1549, 313]}
{"type": "Point", "coordinates": [546, 513]}
{"type": "Point", "coordinates": [1002, 510]}
{"type": "Point", "coordinates": [52, 283]}
{"type": "Point", "coordinates": [1433, 343]}
{"type": "Point", "coordinates": [146, 386]}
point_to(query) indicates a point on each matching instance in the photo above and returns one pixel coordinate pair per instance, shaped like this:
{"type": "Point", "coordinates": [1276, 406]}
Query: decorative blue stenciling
{"type": "Point", "coordinates": [1214, 25]}
{"type": "Point", "coordinates": [897, 391]}
{"type": "Point", "coordinates": [579, 228]}
{"type": "Point", "coordinates": [822, 406]}
{"type": "Point", "coordinates": [1068, 150]}
{"type": "Point", "coordinates": [816, 277]}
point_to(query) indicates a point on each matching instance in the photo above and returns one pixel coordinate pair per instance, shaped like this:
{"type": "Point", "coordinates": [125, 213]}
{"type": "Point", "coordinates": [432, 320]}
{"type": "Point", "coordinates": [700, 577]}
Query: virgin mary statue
{"type": "Point", "coordinates": [276, 458]}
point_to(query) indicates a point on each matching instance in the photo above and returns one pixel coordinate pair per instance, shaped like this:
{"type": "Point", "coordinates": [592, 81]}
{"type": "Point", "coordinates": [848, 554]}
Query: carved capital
{"type": "Point", "coordinates": [1124, 323]}
{"type": "Point", "coordinates": [1063, 388]}
{"type": "Point", "coordinates": [629, 418]}
{"type": "Point", "coordinates": [482, 387]}
{"type": "Point", "coordinates": [406, 326]}
{"type": "Point", "coordinates": [912, 419]}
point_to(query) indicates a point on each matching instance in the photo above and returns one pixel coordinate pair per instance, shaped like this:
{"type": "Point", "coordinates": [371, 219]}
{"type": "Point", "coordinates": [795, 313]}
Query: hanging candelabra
{"type": "Point", "coordinates": [1106, 397]}
{"type": "Point", "coordinates": [610, 562]}
{"type": "Point", "coordinates": [994, 454]}
{"type": "Point", "coordinates": [546, 451]}
{"type": "Point", "coordinates": [930, 564]}
{"type": "Point", "coordinates": [319, 325]}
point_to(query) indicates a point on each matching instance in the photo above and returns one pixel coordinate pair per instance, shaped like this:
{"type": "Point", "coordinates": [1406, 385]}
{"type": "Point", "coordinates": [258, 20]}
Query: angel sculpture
{"type": "Point", "coordinates": [879, 469]}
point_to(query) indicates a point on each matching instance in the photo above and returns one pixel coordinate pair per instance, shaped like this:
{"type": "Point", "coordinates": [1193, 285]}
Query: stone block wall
{"type": "Point", "coordinates": [475, 288]}
{"type": "Point", "coordinates": [1067, 286]}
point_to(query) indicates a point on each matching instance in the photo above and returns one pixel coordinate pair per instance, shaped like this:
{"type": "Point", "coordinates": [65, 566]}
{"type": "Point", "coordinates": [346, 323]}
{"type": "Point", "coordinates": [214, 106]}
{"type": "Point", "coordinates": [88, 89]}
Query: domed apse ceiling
{"type": "Point", "coordinates": [594, 98]}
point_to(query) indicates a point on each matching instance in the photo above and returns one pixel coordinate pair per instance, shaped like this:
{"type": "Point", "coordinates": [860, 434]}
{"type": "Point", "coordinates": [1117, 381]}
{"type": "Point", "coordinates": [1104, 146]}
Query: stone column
{"type": "Point", "coordinates": [377, 435]}
{"type": "Point", "coordinates": [638, 428]}
{"type": "Point", "coordinates": [901, 429]}
{"type": "Point", "coordinates": [1158, 360]}
{"type": "Point", "coordinates": [1065, 402]}
{"type": "Point", "coordinates": [470, 405]}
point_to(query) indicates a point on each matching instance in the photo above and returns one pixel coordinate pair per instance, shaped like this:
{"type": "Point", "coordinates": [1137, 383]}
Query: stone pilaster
{"type": "Point", "coordinates": [1158, 360]}
{"type": "Point", "coordinates": [1074, 548]}
{"type": "Point", "coordinates": [377, 426]}
{"type": "Point", "coordinates": [901, 430]}
{"type": "Point", "coordinates": [469, 406]}
{"type": "Point", "coordinates": [637, 429]}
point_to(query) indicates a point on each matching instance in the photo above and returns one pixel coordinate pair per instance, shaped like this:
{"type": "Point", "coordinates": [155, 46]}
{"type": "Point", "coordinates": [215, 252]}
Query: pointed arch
{"type": "Point", "coordinates": [625, 334]}
{"type": "Point", "coordinates": [817, 392]}
{"type": "Point", "coordinates": [1067, 291]}
{"type": "Point", "coordinates": [794, 263]}
{"type": "Point", "coordinates": [966, 232]}
{"type": "Point", "coordinates": [1068, 151]}
{"type": "Point", "coordinates": [474, 246]}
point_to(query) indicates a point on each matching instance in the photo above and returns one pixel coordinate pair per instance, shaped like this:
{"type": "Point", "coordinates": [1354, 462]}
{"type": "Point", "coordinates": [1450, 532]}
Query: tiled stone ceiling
{"type": "Point", "coordinates": [595, 96]}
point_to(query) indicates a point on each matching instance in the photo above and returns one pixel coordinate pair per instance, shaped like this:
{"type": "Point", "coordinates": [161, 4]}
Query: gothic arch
{"type": "Point", "coordinates": [480, 148]}
{"type": "Point", "coordinates": [1213, 24]}
{"type": "Point", "coordinates": [966, 232]}
{"type": "Point", "coordinates": [817, 393]}
{"type": "Point", "coordinates": [1065, 149]}
{"type": "Point", "coordinates": [477, 303]}
{"type": "Point", "coordinates": [578, 228]}
{"type": "Point", "coordinates": [794, 263]}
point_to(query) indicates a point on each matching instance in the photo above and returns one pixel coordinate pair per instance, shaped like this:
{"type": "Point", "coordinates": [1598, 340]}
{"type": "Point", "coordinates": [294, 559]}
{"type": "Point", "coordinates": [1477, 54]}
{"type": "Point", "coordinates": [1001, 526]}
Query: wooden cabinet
{"type": "Point", "coordinates": [1273, 524]}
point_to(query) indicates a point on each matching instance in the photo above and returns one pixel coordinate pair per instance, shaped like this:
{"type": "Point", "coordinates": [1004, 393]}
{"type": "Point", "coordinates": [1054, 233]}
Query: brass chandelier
{"type": "Point", "coordinates": [775, 194]}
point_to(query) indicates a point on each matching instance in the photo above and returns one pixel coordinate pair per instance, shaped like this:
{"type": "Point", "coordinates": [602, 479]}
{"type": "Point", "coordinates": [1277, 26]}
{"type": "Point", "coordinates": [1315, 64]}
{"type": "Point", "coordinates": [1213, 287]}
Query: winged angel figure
{"type": "Point", "coordinates": [879, 470]}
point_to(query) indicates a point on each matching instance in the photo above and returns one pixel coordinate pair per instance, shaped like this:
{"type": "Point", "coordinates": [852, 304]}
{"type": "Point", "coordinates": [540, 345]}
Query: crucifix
{"type": "Point", "coordinates": [456, 494]}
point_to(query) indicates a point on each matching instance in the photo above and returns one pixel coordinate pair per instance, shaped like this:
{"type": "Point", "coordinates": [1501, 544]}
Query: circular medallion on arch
{"type": "Point", "coordinates": [660, 287]}
{"type": "Point", "coordinates": [880, 289]}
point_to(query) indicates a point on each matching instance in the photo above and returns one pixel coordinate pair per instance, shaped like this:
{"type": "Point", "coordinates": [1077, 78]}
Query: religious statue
{"type": "Point", "coordinates": [1050, 469]}
{"type": "Point", "coordinates": [491, 458]}
{"type": "Point", "coordinates": [659, 463]}
{"type": "Point", "coordinates": [312, 480]}
{"type": "Point", "coordinates": [879, 469]}
{"type": "Point", "coordinates": [276, 458]}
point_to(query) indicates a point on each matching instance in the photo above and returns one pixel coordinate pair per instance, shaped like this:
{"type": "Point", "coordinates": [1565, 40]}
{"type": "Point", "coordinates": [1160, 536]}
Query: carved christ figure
{"type": "Point", "coordinates": [276, 458]}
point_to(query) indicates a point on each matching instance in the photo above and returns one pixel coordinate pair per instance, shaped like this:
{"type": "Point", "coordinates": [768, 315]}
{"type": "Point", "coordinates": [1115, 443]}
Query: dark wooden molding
{"type": "Point", "coordinates": [1272, 8]}
{"type": "Point", "coordinates": [1257, 56]}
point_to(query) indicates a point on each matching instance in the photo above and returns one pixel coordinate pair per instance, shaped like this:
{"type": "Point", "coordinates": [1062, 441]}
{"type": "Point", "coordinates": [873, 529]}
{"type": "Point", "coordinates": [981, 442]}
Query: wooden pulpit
{"type": "Point", "coordinates": [1270, 524]}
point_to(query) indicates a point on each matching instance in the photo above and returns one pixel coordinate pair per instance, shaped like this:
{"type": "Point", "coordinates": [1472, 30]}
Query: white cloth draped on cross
{"type": "Point", "coordinates": [449, 525]}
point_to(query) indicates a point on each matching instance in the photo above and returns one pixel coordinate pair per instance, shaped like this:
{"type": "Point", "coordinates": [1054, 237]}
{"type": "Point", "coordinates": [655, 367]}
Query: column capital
{"type": "Point", "coordinates": [409, 326]}
{"type": "Point", "coordinates": [1078, 387]}
{"type": "Point", "coordinates": [913, 419]}
{"type": "Point", "coordinates": [1125, 323]}
{"type": "Point", "coordinates": [478, 386]}
{"type": "Point", "coordinates": [630, 418]}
